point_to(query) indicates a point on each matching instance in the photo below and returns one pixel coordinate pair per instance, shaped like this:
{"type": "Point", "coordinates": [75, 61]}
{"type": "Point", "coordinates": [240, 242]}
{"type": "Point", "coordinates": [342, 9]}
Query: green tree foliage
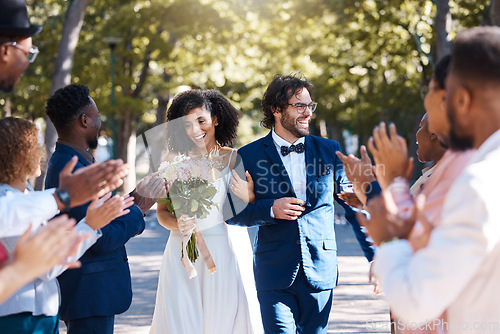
{"type": "Point", "coordinates": [369, 60]}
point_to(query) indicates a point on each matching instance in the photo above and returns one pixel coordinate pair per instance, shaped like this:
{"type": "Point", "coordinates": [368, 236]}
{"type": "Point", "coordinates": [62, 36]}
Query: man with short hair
{"type": "Point", "coordinates": [296, 180]}
{"type": "Point", "coordinates": [458, 270]}
{"type": "Point", "coordinates": [93, 294]}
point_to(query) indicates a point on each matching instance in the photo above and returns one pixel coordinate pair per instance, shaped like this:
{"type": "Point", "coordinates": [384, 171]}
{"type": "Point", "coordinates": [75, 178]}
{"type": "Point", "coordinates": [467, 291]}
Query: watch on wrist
{"type": "Point", "coordinates": [372, 190]}
{"type": "Point", "coordinates": [64, 197]}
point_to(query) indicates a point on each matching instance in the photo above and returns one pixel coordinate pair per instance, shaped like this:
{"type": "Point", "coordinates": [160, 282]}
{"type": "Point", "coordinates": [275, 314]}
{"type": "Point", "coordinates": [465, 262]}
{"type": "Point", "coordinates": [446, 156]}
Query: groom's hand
{"type": "Point", "coordinates": [288, 208]}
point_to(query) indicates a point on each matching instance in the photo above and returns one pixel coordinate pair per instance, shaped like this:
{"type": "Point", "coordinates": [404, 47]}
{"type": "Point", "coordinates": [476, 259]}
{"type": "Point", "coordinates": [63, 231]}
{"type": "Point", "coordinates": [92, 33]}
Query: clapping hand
{"type": "Point", "coordinates": [92, 181]}
{"type": "Point", "coordinates": [358, 171]}
{"type": "Point", "coordinates": [50, 246]}
{"type": "Point", "coordinates": [350, 199]}
{"type": "Point", "coordinates": [37, 253]}
{"type": "Point", "coordinates": [102, 211]}
{"type": "Point", "coordinates": [148, 191]}
{"type": "Point", "coordinates": [385, 224]}
{"type": "Point", "coordinates": [390, 154]}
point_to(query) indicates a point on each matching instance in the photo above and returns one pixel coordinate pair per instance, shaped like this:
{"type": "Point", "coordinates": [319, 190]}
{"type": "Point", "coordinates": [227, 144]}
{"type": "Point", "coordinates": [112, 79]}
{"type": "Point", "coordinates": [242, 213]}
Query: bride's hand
{"type": "Point", "coordinates": [148, 191]}
{"type": "Point", "coordinates": [186, 225]}
{"type": "Point", "coordinates": [243, 189]}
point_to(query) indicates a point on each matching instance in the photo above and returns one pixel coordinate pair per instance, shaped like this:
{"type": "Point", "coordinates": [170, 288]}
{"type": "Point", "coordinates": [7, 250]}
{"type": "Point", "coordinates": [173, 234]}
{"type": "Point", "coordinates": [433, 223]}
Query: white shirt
{"type": "Point", "coordinates": [417, 186]}
{"type": "Point", "coordinates": [18, 210]}
{"type": "Point", "coordinates": [41, 296]}
{"type": "Point", "coordinates": [295, 165]}
{"type": "Point", "coordinates": [459, 270]}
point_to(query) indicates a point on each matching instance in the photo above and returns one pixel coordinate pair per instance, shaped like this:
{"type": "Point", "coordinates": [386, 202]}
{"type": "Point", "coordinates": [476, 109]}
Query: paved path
{"type": "Point", "coordinates": [355, 307]}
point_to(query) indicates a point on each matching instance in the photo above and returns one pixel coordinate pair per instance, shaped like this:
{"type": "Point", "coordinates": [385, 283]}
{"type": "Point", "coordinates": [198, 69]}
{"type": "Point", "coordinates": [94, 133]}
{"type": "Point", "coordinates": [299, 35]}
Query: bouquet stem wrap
{"type": "Point", "coordinates": [202, 247]}
{"type": "Point", "coordinates": [191, 192]}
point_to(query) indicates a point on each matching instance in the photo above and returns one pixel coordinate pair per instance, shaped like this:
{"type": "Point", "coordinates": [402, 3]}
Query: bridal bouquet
{"type": "Point", "coordinates": [191, 192]}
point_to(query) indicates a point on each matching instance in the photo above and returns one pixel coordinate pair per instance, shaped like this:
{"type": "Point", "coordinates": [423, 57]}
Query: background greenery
{"type": "Point", "coordinates": [368, 60]}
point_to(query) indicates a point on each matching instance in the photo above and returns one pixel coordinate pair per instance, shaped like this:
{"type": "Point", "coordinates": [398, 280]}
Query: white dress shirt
{"type": "Point", "coordinates": [459, 270]}
{"type": "Point", "coordinates": [18, 210]}
{"type": "Point", "coordinates": [295, 165]}
{"type": "Point", "coordinates": [41, 296]}
{"type": "Point", "coordinates": [417, 186]}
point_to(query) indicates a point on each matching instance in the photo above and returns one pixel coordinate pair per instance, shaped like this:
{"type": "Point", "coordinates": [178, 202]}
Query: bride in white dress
{"type": "Point", "coordinates": [223, 302]}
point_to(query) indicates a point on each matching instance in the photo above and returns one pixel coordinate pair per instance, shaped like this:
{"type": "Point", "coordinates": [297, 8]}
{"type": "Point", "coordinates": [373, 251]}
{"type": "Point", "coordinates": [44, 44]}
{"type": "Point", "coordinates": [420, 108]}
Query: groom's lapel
{"type": "Point", "coordinates": [310, 168]}
{"type": "Point", "coordinates": [277, 164]}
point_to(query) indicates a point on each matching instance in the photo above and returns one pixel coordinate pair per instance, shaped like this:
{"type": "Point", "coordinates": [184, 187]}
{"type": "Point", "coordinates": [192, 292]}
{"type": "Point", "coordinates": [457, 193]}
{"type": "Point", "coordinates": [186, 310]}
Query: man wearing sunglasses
{"type": "Point", "coordinates": [296, 179]}
{"type": "Point", "coordinates": [16, 48]}
{"type": "Point", "coordinates": [31, 52]}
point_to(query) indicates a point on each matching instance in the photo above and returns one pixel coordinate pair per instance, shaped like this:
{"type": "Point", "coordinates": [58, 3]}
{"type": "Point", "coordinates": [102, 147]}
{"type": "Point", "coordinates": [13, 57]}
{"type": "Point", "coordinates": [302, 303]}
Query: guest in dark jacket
{"type": "Point", "coordinates": [93, 294]}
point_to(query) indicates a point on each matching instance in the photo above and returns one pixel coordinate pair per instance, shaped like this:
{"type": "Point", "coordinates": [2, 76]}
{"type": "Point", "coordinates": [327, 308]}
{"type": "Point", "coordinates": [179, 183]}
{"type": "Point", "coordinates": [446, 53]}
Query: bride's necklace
{"type": "Point", "coordinates": [214, 156]}
{"type": "Point", "coordinates": [215, 151]}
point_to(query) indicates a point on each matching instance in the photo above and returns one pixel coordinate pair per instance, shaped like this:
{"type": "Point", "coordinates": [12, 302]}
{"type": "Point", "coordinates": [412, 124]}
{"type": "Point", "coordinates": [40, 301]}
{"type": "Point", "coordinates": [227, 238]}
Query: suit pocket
{"type": "Point", "coordinates": [329, 245]}
{"type": "Point", "coordinates": [324, 178]}
{"type": "Point", "coordinates": [260, 248]}
{"type": "Point", "coordinates": [323, 186]}
{"type": "Point", "coordinates": [100, 266]}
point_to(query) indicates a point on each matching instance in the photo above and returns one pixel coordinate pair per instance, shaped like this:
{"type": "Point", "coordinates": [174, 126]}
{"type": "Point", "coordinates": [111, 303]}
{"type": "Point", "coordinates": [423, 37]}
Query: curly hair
{"type": "Point", "coordinates": [214, 102]}
{"type": "Point", "coordinates": [279, 91]}
{"type": "Point", "coordinates": [20, 153]}
{"type": "Point", "coordinates": [66, 105]}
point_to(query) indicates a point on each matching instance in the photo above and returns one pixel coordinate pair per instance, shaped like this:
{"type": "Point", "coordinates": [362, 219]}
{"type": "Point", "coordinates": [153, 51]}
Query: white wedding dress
{"type": "Point", "coordinates": [224, 302]}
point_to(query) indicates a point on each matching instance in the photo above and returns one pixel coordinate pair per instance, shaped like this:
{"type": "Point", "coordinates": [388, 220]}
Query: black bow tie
{"type": "Point", "coordinates": [299, 148]}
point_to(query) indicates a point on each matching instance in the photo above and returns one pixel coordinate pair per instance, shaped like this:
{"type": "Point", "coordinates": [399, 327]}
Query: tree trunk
{"type": "Point", "coordinates": [126, 137]}
{"type": "Point", "coordinates": [127, 146]}
{"type": "Point", "coordinates": [443, 27]}
{"type": "Point", "coordinates": [494, 12]}
{"type": "Point", "coordinates": [161, 111]}
{"type": "Point", "coordinates": [62, 74]}
{"type": "Point", "coordinates": [336, 133]}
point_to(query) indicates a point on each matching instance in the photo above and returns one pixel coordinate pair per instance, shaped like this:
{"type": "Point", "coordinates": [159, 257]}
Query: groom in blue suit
{"type": "Point", "coordinates": [296, 179]}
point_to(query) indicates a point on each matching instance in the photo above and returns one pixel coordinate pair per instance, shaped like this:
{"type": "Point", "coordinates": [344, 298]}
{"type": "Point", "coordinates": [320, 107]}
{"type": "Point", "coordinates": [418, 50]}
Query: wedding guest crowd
{"type": "Point", "coordinates": [35, 306]}
{"type": "Point", "coordinates": [444, 280]}
{"type": "Point", "coordinates": [29, 294]}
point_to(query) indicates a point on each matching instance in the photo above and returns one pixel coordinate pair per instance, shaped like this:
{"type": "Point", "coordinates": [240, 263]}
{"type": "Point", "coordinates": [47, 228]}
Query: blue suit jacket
{"type": "Point", "coordinates": [282, 245]}
{"type": "Point", "coordinates": [102, 286]}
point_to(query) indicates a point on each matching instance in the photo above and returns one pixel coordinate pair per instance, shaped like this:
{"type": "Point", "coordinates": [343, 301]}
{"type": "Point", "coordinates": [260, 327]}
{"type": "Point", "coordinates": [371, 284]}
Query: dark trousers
{"type": "Point", "coordinates": [297, 309]}
{"type": "Point", "coordinates": [91, 325]}
{"type": "Point", "coordinates": [27, 323]}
